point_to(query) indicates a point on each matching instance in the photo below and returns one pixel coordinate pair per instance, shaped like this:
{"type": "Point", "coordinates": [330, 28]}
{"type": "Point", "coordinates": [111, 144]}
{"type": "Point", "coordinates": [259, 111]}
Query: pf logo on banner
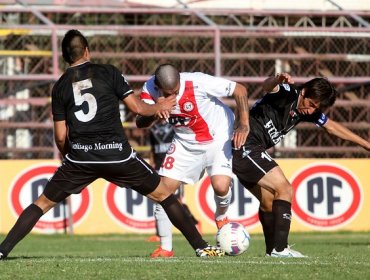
{"type": "Point", "coordinates": [243, 207]}
{"type": "Point", "coordinates": [130, 209]}
{"type": "Point", "coordinates": [326, 196]}
{"type": "Point", "coordinates": [28, 186]}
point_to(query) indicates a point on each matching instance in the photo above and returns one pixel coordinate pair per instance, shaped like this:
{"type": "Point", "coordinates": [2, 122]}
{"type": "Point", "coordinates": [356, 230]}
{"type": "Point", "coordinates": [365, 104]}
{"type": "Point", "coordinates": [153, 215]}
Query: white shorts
{"type": "Point", "coordinates": [188, 165]}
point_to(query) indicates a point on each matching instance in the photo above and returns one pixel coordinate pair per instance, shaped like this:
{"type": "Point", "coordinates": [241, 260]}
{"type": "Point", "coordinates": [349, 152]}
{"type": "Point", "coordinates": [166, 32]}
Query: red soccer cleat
{"type": "Point", "coordinates": [161, 253]}
{"type": "Point", "coordinates": [153, 238]}
{"type": "Point", "coordinates": [221, 223]}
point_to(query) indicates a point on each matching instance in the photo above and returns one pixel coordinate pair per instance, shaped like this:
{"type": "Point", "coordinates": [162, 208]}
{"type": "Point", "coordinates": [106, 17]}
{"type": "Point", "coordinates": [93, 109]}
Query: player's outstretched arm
{"type": "Point", "coordinates": [336, 129]}
{"type": "Point", "coordinates": [146, 121]}
{"type": "Point", "coordinates": [161, 108]}
{"type": "Point", "coordinates": [242, 121]}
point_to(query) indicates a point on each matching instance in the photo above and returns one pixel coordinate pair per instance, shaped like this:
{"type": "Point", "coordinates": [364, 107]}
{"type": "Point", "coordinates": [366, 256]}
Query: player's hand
{"type": "Point", "coordinates": [240, 136]}
{"type": "Point", "coordinates": [284, 78]}
{"type": "Point", "coordinates": [166, 104]}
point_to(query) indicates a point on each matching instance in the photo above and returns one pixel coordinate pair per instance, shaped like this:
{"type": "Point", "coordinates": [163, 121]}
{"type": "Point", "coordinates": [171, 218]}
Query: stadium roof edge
{"type": "Point", "coordinates": [324, 5]}
{"type": "Point", "coordinates": [163, 10]}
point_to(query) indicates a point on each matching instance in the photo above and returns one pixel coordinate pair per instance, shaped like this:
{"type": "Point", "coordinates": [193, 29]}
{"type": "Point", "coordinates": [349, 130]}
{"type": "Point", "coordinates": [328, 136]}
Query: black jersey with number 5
{"type": "Point", "coordinates": [275, 115]}
{"type": "Point", "coordinates": [87, 97]}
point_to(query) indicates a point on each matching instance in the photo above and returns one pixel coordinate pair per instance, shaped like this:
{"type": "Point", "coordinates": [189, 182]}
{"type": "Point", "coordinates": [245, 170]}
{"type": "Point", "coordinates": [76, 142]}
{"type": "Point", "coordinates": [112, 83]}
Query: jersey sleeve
{"type": "Point", "coordinates": [57, 106]}
{"type": "Point", "coordinates": [121, 86]}
{"type": "Point", "coordinates": [147, 91]}
{"type": "Point", "coordinates": [318, 118]}
{"type": "Point", "coordinates": [285, 89]}
{"type": "Point", "coordinates": [217, 86]}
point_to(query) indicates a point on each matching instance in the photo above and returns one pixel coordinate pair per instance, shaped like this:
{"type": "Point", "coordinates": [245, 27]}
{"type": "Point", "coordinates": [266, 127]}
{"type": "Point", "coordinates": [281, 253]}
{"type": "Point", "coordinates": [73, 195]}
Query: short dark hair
{"type": "Point", "coordinates": [320, 90]}
{"type": "Point", "coordinates": [73, 46]}
{"type": "Point", "coordinates": [166, 76]}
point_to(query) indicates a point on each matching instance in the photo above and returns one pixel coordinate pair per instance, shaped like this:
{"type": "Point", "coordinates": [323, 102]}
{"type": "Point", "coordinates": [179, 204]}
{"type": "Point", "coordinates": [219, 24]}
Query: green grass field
{"type": "Point", "coordinates": [331, 256]}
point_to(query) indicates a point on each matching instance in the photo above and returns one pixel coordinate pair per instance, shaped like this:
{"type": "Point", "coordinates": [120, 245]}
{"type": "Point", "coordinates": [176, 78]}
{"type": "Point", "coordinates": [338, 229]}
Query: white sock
{"type": "Point", "coordinates": [164, 227]}
{"type": "Point", "coordinates": [222, 204]}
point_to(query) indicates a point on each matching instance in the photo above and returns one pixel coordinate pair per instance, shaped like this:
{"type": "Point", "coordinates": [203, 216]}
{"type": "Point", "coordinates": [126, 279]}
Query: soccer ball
{"type": "Point", "coordinates": [233, 238]}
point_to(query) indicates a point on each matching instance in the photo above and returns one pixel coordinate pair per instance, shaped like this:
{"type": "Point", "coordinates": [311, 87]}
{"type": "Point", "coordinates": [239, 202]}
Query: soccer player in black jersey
{"type": "Point", "coordinates": [273, 116]}
{"type": "Point", "coordinates": [89, 134]}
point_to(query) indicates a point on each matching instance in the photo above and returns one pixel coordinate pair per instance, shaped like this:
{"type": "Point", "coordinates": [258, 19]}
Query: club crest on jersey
{"type": "Point", "coordinates": [188, 106]}
{"type": "Point", "coordinates": [171, 149]}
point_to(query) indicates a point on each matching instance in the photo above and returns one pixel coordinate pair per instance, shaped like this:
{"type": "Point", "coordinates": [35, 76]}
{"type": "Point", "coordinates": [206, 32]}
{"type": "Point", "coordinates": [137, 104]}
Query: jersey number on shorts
{"type": "Point", "coordinates": [80, 98]}
{"type": "Point", "coordinates": [168, 162]}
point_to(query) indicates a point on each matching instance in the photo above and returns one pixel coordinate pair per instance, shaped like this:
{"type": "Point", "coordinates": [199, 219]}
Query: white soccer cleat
{"type": "Point", "coordinates": [287, 253]}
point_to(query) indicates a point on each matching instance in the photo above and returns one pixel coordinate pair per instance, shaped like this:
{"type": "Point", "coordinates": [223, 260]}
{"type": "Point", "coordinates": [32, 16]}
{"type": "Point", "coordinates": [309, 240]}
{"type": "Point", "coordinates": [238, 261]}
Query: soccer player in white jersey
{"type": "Point", "coordinates": [204, 131]}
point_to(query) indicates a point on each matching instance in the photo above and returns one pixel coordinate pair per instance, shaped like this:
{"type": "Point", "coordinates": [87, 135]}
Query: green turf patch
{"type": "Point", "coordinates": [342, 255]}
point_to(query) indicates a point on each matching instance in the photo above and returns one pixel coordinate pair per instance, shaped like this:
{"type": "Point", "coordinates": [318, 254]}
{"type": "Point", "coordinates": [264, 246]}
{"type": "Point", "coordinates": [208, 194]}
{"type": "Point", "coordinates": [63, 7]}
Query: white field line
{"type": "Point", "coordinates": [314, 262]}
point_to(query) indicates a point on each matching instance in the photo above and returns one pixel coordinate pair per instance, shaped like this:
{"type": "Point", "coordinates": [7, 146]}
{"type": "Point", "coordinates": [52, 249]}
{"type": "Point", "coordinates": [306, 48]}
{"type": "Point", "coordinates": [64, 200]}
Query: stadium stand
{"type": "Point", "coordinates": [244, 44]}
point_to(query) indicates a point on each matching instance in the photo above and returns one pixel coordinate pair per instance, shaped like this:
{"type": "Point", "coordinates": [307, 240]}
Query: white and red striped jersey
{"type": "Point", "coordinates": [199, 116]}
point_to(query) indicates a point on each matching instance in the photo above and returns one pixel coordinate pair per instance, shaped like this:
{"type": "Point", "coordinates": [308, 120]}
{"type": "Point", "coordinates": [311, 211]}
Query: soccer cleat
{"type": "Point", "coordinates": [221, 223]}
{"type": "Point", "coordinates": [153, 238]}
{"type": "Point", "coordinates": [210, 251]}
{"type": "Point", "coordinates": [287, 253]}
{"type": "Point", "coordinates": [161, 253]}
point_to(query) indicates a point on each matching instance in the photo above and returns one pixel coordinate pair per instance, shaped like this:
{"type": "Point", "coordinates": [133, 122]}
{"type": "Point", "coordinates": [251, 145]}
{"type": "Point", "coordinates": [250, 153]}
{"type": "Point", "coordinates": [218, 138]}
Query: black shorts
{"type": "Point", "coordinates": [251, 163]}
{"type": "Point", "coordinates": [72, 178]}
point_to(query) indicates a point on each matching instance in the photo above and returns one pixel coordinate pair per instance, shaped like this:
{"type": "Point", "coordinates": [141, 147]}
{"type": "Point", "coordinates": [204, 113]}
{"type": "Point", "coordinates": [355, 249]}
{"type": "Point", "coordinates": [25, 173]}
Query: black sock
{"type": "Point", "coordinates": [187, 210]}
{"type": "Point", "coordinates": [268, 226]}
{"type": "Point", "coordinates": [183, 222]}
{"type": "Point", "coordinates": [22, 227]}
{"type": "Point", "coordinates": [283, 216]}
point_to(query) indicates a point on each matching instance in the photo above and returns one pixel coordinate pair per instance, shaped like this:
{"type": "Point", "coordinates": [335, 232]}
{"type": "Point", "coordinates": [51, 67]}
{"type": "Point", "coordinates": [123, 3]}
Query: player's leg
{"type": "Point", "coordinates": [142, 178]}
{"type": "Point", "coordinates": [277, 197]}
{"type": "Point", "coordinates": [265, 215]}
{"type": "Point", "coordinates": [69, 178]}
{"type": "Point", "coordinates": [275, 182]}
{"type": "Point", "coordinates": [219, 161]}
{"type": "Point", "coordinates": [251, 164]}
{"type": "Point", "coordinates": [178, 217]}
{"type": "Point", "coordinates": [180, 194]}
{"type": "Point", "coordinates": [222, 196]}
{"type": "Point", "coordinates": [164, 225]}
{"type": "Point", "coordinates": [29, 217]}
{"type": "Point", "coordinates": [182, 164]}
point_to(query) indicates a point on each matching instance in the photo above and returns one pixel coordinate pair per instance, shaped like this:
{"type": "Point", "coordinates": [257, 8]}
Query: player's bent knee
{"type": "Point", "coordinates": [160, 193]}
{"type": "Point", "coordinates": [44, 203]}
{"type": "Point", "coordinates": [221, 185]}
